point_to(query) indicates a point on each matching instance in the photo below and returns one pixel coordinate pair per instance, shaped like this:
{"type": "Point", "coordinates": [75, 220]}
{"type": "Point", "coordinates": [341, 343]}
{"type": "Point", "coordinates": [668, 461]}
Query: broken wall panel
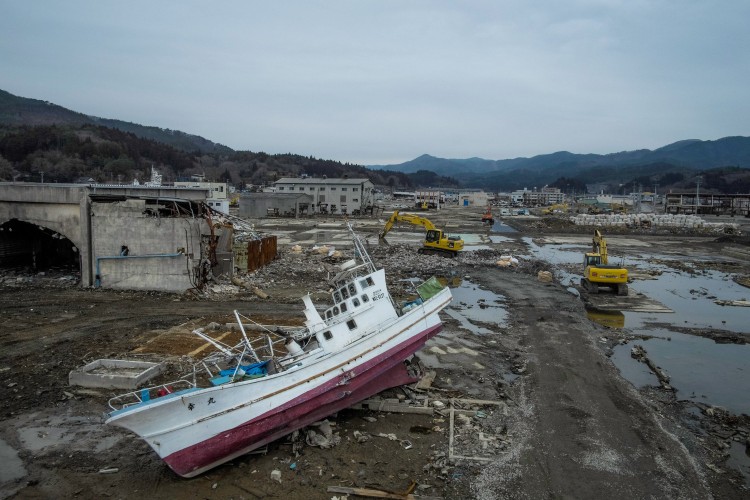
{"type": "Point", "coordinates": [137, 250]}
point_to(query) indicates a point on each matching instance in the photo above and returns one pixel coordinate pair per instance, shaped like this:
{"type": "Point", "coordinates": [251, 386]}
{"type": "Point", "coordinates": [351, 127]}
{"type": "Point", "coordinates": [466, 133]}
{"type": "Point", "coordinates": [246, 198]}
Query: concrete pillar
{"type": "Point", "coordinates": [85, 251]}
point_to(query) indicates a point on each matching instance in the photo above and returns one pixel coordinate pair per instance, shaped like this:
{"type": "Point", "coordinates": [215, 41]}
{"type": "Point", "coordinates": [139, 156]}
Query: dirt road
{"type": "Point", "coordinates": [580, 430]}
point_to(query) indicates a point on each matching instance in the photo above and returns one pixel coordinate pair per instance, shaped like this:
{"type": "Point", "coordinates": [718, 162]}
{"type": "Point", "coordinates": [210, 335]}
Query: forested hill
{"type": "Point", "coordinates": [38, 138]}
{"type": "Point", "coordinates": [19, 111]}
{"type": "Point", "coordinates": [70, 153]}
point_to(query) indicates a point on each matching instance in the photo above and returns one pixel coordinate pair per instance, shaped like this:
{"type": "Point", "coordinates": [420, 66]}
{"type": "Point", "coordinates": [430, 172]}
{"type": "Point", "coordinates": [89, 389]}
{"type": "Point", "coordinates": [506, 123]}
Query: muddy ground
{"type": "Point", "coordinates": [562, 422]}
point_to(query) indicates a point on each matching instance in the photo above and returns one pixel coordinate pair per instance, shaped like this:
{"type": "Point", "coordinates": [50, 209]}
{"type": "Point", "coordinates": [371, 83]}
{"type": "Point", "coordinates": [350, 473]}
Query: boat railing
{"type": "Point", "coordinates": [150, 394]}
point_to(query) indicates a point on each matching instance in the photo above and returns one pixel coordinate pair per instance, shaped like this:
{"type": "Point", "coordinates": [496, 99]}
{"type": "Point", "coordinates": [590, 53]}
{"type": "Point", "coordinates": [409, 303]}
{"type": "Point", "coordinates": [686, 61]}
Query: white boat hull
{"type": "Point", "coordinates": [200, 429]}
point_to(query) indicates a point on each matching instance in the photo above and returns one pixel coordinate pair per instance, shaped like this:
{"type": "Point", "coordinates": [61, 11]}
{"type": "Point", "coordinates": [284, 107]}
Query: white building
{"type": "Point", "coordinates": [334, 196]}
{"type": "Point", "coordinates": [547, 196]}
{"type": "Point", "coordinates": [218, 198]}
{"type": "Point", "coordinates": [473, 198]}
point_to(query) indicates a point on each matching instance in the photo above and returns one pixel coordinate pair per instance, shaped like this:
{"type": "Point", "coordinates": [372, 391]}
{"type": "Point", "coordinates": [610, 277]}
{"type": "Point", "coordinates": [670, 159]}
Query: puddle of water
{"type": "Point", "coordinates": [740, 460]}
{"type": "Point", "coordinates": [635, 372]}
{"type": "Point", "coordinates": [697, 309]}
{"type": "Point", "coordinates": [472, 239]}
{"type": "Point", "coordinates": [472, 304]}
{"type": "Point", "coordinates": [12, 468]}
{"type": "Point", "coordinates": [500, 239]}
{"type": "Point", "coordinates": [700, 369]}
{"type": "Point", "coordinates": [500, 227]}
{"type": "Point", "coordinates": [37, 438]}
{"type": "Point", "coordinates": [556, 254]}
{"type": "Point", "coordinates": [610, 319]}
{"type": "Point", "coordinates": [74, 432]}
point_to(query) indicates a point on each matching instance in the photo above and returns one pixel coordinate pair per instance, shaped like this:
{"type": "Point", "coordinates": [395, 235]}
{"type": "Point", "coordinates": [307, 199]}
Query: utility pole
{"type": "Point", "coordinates": [697, 195]}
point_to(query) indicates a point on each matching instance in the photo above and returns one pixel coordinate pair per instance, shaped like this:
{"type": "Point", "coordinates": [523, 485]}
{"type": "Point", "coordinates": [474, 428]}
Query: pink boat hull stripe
{"type": "Point", "coordinates": [382, 372]}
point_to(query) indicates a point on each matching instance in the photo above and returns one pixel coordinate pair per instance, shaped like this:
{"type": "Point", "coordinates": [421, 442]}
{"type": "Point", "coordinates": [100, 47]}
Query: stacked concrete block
{"type": "Point", "coordinates": [650, 220]}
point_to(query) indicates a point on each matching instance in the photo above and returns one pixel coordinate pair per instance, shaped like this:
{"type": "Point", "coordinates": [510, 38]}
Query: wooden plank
{"type": "Point", "coordinates": [371, 493]}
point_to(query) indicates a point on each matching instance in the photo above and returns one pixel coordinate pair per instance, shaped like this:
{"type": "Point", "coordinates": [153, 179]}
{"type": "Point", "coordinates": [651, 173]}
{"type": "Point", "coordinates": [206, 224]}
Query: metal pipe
{"type": "Point", "coordinates": [98, 281]}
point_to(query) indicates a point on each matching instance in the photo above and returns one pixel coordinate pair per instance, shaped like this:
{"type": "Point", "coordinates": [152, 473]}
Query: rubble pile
{"type": "Point", "coordinates": [52, 278]}
{"type": "Point", "coordinates": [652, 220]}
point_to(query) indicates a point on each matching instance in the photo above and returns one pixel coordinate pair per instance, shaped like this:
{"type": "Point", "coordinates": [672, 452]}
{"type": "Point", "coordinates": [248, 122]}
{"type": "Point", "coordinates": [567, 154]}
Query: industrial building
{"type": "Point", "coordinates": [327, 196]}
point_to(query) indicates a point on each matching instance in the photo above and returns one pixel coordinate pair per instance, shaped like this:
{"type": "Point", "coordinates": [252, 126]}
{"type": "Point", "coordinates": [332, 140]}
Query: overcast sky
{"type": "Point", "coordinates": [382, 82]}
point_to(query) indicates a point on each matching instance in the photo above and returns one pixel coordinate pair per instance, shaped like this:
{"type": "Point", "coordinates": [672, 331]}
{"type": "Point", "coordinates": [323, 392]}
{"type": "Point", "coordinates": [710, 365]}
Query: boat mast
{"type": "Point", "coordinates": [359, 250]}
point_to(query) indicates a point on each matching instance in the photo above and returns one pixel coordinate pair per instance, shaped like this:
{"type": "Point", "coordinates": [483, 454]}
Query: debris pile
{"type": "Point", "coordinates": [642, 220]}
{"type": "Point", "coordinates": [477, 430]}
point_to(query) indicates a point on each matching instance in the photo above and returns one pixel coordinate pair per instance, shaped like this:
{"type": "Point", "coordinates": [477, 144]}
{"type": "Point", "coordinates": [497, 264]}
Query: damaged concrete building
{"type": "Point", "coordinates": [125, 237]}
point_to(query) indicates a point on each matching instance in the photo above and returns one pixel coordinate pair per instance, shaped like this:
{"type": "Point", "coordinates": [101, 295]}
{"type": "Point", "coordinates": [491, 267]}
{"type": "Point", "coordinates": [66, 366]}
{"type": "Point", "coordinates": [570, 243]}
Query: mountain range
{"type": "Point", "coordinates": [685, 157]}
{"type": "Point", "coordinates": [670, 165]}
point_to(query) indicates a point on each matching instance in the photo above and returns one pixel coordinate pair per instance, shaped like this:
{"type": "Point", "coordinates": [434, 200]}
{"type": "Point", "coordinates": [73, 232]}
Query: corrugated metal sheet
{"type": "Point", "coordinates": [252, 255]}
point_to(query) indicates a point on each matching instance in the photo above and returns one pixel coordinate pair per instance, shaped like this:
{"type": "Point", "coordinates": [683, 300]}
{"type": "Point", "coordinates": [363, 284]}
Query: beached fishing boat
{"type": "Point", "coordinates": [247, 395]}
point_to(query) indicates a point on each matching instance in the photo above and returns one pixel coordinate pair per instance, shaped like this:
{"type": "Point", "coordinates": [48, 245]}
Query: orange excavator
{"type": "Point", "coordinates": [487, 218]}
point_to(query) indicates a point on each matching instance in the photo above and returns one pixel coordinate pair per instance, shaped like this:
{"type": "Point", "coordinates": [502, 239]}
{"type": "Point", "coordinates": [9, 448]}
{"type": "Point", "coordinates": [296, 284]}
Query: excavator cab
{"type": "Point", "coordinates": [592, 259]}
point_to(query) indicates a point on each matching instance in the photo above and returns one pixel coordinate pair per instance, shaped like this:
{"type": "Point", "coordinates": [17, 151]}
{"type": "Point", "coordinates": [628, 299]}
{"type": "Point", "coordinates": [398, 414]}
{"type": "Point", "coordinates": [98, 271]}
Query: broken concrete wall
{"type": "Point", "coordinates": [134, 249]}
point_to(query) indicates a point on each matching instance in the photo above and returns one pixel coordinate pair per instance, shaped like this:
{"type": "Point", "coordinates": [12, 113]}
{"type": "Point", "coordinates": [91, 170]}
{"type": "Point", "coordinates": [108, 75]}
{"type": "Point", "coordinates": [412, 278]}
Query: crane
{"type": "Point", "coordinates": [436, 242]}
{"type": "Point", "coordinates": [597, 272]}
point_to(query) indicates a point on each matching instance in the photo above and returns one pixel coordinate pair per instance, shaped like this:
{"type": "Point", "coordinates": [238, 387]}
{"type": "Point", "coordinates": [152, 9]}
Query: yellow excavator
{"type": "Point", "coordinates": [436, 242]}
{"type": "Point", "coordinates": [598, 273]}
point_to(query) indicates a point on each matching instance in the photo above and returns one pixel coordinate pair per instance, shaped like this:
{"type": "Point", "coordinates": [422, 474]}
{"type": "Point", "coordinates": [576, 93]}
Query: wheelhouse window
{"type": "Point", "coordinates": [336, 296]}
{"type": "Point", "coordinates": [355, 302]}
{"type": "Point", "coordinates": [365, 298]}
{"type": "Point", "coordinates": [343, 307]}
{"type": "Point", "coordinates": [335, 310]}
{"type": "Point", "coordinates": [351, 324]}
{"type": "Point", "coordinates": [352, 289]}
{"type": "Point", "coordinates": [344, 292]}
{"type": "Point", "coordinates": [327, 335]}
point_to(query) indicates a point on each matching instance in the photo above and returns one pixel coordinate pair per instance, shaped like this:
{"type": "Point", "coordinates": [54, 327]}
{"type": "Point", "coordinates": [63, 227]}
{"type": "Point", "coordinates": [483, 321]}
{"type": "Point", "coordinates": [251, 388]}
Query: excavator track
{"type": "Point", "coordinates": [442, 253]}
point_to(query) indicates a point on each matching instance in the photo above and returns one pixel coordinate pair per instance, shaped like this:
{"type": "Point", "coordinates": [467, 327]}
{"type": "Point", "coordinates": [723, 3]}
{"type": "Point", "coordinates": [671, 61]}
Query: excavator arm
{"type": "Point", "coordinates": [409, 218]}
{"type": "Point", "coordinates": [435, 242]}
{"type": "Point", "coordinates": [599, 245]}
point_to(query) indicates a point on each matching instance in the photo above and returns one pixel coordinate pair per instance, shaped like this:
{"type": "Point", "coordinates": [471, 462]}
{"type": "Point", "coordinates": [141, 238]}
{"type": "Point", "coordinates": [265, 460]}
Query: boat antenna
{"type": "Point", "coordinates": [359, 249]}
